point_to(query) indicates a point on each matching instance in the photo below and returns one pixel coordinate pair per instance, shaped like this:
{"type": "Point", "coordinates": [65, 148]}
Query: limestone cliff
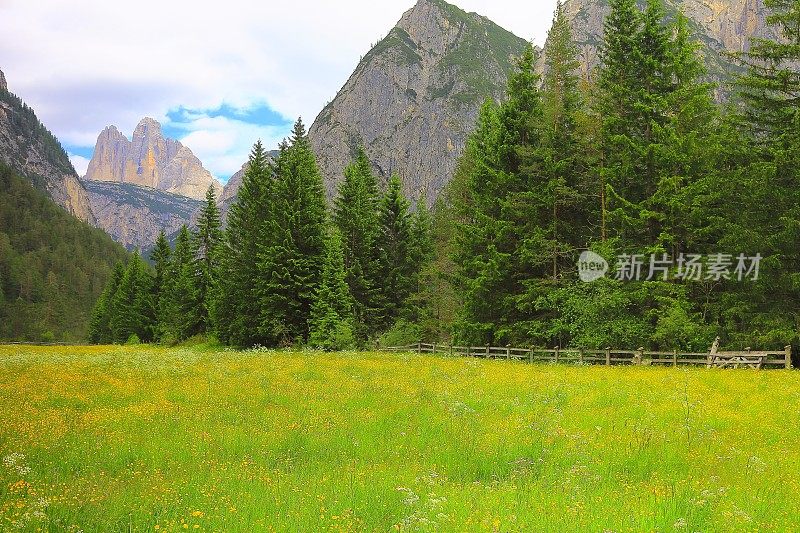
{"type": "Point", "coordinates": [414, 98]}
{"type": "Point", "coordinates": [135, 215]}
{"type": "Point", "coordinates": [149, 160]}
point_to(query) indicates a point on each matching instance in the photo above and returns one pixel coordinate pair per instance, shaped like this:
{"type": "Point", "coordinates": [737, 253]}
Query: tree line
{"type": "Point", "coordinates": [636, 158]}
{"type": "Point", "coordinates": [285, 271]}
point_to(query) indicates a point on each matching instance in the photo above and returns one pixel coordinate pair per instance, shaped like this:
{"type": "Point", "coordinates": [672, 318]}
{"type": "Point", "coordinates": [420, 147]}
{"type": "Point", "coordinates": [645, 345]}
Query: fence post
{"type": "Point", "coordinates": [557, 350]}
{"type": "Point", "coordinates": [487, 352]}
{"type": "Point", "coordinates": [788, 351]}
{"type": "Point", "coordinates": [508, 351]}
{"type": "Point", "coordinates": [608, 356]}
{"type": "Point", "coordinates": [469, 351]}
{"type": "Point", "coordinates": [419, 348]}
{"type": "Point", "coordinates": [580, 356]}
{"type": "Point", "coordinates": [674, 357]}
{"type": "Point", "coordinates": [637, 358]}
{"type": "Point", "coordinates": [530, 356]}
{"type": "Point", "coordinates": [434, 348]}
{"type": "Point", "coordinates": [450, 349]}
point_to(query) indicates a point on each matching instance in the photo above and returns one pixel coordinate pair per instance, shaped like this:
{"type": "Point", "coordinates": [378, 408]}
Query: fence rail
{"type": "Point", "coordinates": [609, 357]}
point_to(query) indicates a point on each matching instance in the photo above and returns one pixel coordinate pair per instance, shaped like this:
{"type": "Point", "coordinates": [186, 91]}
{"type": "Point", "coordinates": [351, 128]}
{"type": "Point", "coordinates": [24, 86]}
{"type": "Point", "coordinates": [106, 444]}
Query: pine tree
{"type": "Point", "coordinates": [182, 304]}
{"type": "Point", "coordinates": [100, 324]}
{"type": "Point", "coordinates": [237, 310]}
{"type": "Point", "coordinates": [396, 266]}
{"type": "Point", "coordinates": [130, 303]}
{"type": "Point", "coordinates": [161, 257]}
{"type": "Point", "coordinates": [356, 216]}
{"type": "Point", "coordinates": [331, 320]}
{"type": "Point", "coordinates": [290, 263]}
{"type": "Point", "coordinates": [208, 238]}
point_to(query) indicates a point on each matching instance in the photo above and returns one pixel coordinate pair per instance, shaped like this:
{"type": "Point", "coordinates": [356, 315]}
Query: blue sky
{"type": "Point", "coordinates": [217, 77]}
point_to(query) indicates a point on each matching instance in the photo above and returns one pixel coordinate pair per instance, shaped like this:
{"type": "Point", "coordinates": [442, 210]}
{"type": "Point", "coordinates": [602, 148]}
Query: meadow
{"type": "Point", "coordinates": [203, 439]}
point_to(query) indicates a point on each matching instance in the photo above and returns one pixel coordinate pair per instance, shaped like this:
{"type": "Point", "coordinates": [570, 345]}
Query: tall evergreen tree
{"type": "Point", "coordinates": [130, 303]}
{"type": "Point", "coordinates": [237, 310]}
{"type": "Point", "coordinates": [355, 214]}
{"type": "Point", "coordinates": [161, 257]}
{"type": "Point", "coordinates": [331, 320]}
{"type": "Point", "coordinates": [396, 262]}
{"type": "Point", "coordinates": [208, 238]}
{"type": "Point", "coordinates": [100, 325]}
{"type": "Point", "coordinates": [182, 314]}
{"type": "Point", "coordinates": [290, 263]}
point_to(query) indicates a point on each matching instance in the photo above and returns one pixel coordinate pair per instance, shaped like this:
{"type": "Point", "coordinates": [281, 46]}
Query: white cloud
{"type": "Point", "coordinates": [80, 163]}
{"type": "Point", "coordinates": [122, 65]}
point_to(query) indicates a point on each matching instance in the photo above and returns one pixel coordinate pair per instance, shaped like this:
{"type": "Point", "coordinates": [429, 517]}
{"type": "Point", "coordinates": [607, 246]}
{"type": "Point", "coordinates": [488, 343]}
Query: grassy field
{"type": "Point", "coordinates": [149, 439]}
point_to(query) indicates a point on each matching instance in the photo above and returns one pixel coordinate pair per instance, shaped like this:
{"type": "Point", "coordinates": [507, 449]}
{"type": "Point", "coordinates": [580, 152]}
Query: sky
{"type": "Point", "coordinates": [217, 75]}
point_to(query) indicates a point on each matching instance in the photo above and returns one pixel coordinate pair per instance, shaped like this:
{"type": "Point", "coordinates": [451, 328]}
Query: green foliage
{"type": "Point", "coordinates": [53, 267]}
{"type": "Point", "coordinates": [402, 333]}
{"type": "Point", "coordinates": [355, 214]}
{"type": "Point", "coordinates": [208, 238]}
{"type": "Point", "coordinates": [331, 323]}
{"type": "Point", "coordinates": [290, 259]}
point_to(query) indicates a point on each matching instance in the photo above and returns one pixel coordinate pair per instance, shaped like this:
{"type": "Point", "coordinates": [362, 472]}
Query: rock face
{"type": "Point", "coordinates": [414, 98]}
{"type": "Point", "coordinates": [720, 25]}
{"type": "Point", "coordinates": [30, 149]}
{"type": "Point", "coordinates": [149, 160]}
{"type": "Point", "coordinates": [135, 215]}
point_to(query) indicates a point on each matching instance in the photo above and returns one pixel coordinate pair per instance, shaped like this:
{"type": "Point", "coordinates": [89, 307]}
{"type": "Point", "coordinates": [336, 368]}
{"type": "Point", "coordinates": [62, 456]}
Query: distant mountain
{"type": "Point", "coordinates": [149, 160]}
{"type": "Point", "coordinates": [414, 98]}
{"type": "Point", "coordinates": [135, 215]}
{"type": "Point", "coordinates": [34, 153]}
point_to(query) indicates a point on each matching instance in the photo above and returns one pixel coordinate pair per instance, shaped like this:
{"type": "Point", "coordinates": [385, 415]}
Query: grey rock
{"type": "Point", "coordinates": [149, 160]}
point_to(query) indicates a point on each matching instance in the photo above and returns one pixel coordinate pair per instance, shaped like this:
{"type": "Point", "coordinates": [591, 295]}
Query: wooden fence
{"type": "Point", "coordinates": [609, 357]}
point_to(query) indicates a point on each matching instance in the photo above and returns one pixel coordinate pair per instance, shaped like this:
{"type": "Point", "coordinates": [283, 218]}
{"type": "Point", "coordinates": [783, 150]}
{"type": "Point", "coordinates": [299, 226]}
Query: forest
{"type": "Point", "coordinates": [52, 266]}
{"type": "Point", "coordinates": [637, 159]}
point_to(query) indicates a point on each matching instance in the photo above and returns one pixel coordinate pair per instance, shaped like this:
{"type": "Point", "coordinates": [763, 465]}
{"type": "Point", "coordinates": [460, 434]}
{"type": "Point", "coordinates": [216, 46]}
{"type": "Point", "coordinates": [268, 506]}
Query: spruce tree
{"type": "Point", "coordinates": [396, 266]}
{"type": "Point", "coordinates": [331, 321]}
{"type": "Point", "coordinates": [208, 237]}
{"type": "Point", "coordinates": [290, 262]}
{"type": "Point", "coordinates": [355, 214]}
{"type": "Point", "coordinates": [182, 305]}
{"type": "Point", "coordinates": [161, 257]}
{"type": "Point", "coordinates": [100, 324]}
{"type": "Point", "coordinates": [130, 303]}
{"type": "Point", "coordinates": [237, 310]}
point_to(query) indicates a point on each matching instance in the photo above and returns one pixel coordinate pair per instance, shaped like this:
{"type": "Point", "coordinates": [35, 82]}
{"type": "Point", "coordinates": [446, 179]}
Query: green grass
{"type": "Point", "coordinates": [150, 439]}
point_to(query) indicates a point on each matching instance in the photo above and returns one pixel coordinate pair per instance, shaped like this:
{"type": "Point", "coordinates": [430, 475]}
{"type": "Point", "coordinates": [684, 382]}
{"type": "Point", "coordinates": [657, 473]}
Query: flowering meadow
{"type": "Point", "coordinates": [157, 439]}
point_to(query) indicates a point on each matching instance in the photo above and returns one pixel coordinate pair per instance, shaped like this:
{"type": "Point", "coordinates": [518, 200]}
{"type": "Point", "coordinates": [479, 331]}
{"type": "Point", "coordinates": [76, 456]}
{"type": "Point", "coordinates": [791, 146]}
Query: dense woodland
{"type": "Point", "coordinates": [53, 267]}
{"type": "Point", "coordinates": [637, 158]}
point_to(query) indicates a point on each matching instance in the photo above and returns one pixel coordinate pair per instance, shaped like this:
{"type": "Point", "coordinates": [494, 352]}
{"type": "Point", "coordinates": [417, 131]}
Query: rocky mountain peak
{"type": "Point", "coordinates": [149, 160]}
{"type": "Point", "coordinates": [413, 99]}
{"type": "Point", "coordinates": [3, 84]}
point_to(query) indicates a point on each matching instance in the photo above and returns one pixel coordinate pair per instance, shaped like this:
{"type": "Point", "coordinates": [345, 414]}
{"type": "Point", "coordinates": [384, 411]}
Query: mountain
{"type": "Point", "coordinates": [149, 160]}
{"type": "Point", "coordinates": [414, 98]}
{"type": "Point", "coordinates": [34, 153]}
{"type": "Point", "coordinates": [134, 215]}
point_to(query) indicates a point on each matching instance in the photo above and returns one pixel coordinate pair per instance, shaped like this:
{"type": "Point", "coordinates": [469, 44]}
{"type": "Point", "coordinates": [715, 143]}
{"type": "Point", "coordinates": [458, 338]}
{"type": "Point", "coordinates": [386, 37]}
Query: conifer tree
{"type": "Point", "coordinates": [396, 266]}
{"type": "Point", "coordinates": [290, 263]}
{"type": "Point", "coordinates": [161, 257]}
{"type": "Point", "coordinates": [100, 324]}
{"type": "Point", "coordinates": [208, 238]}
{"type": "Point", "coordinates": [130, 303]}
{"type": "Point", "coordinates": [237, 310]}
{"type": "Point", "coordinates": [182, 304]}
{"type": "Point", "coordinates": [331, 320]}
{"type": "Point", "coordinates": [356, 216]}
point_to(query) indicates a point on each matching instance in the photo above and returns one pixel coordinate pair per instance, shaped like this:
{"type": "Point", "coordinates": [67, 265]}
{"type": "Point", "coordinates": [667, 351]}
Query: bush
{"type": "Point", "coordinates": [133, 340]}
{"type": "Point", "coordinates": [401, 334]}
